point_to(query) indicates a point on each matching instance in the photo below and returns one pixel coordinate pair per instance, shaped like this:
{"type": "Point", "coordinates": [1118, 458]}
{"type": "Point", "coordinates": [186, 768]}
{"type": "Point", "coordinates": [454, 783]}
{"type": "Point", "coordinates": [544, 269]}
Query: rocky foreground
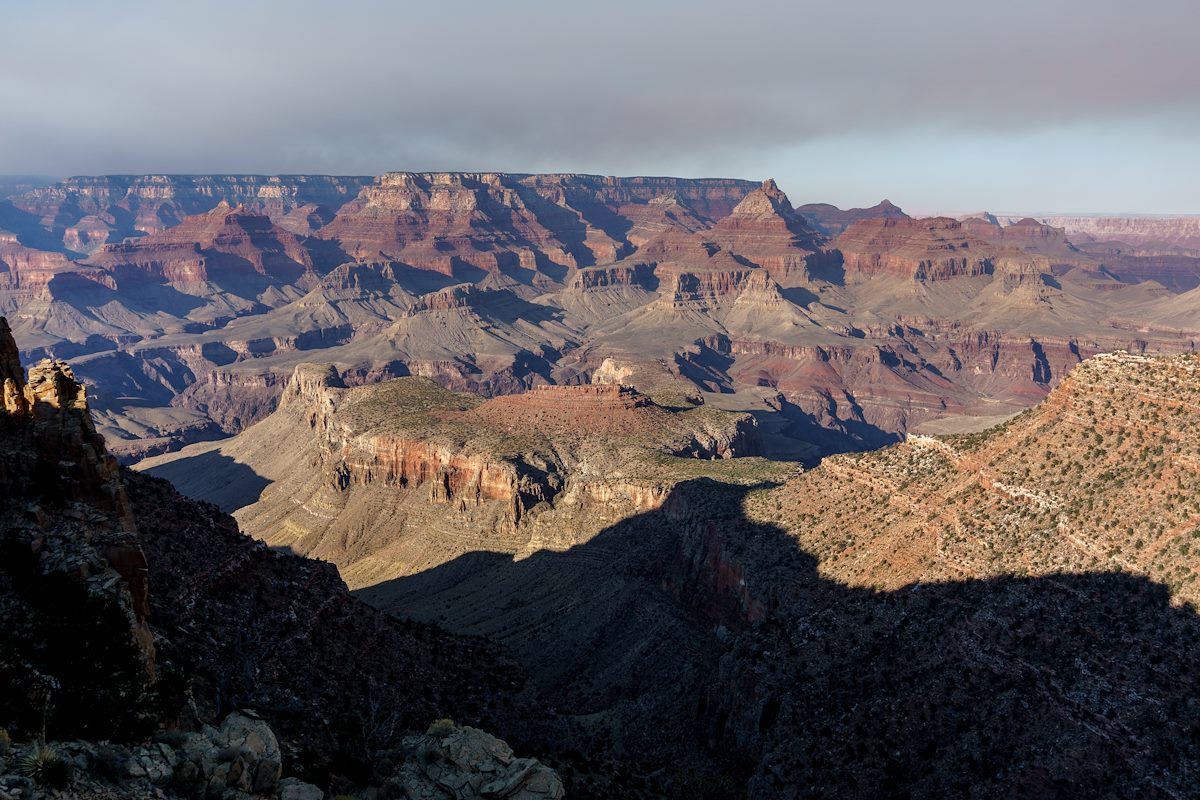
{"type": "Point", "coordinates": [151, 650]}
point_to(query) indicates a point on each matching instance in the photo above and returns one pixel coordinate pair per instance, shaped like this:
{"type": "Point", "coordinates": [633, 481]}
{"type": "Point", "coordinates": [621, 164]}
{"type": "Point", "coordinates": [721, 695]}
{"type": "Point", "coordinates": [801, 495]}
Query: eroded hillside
{"type": "Point", "coordinates": [187, 301]}
{"type": "Point", "coordinates": [1100, 476]}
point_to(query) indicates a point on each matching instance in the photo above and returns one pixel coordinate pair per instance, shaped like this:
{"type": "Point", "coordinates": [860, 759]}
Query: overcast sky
{"type": "Point", "coordinates": [951, 105]}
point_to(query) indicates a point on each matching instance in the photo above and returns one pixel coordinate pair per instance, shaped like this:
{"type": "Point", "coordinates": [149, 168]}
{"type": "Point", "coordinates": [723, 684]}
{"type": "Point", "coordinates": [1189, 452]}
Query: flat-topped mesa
{"type": "Point", "coordinates": [607, 409]}
{"type": "Point", "coordinates": [448, 299]}
{"type": "Point", "coordinates": [920, 249]}
{"type": "Point", "coordinates": [831, 220]}
{"type": "Point", "coordinates": [615, 275]}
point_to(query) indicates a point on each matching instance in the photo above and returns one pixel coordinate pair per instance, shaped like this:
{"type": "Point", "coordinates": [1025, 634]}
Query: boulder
{"type": "Point", "coordinates": [464, 763]}
{"type": "Point", "coordinates": [296, 789]}
{"type": "Point", "coordinates": [253, 762]}
{"type": "Point", "coordinates": [153, 762]}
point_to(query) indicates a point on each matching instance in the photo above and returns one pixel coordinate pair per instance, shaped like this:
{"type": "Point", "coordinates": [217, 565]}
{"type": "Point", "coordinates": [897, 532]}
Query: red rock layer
{"type": "Point", "coordinates": [616, 275]}
{"type": "Point", "coordinates": [762, 230]}
{"type": "Point", "coordinates": [456, 222]}
{"type": "Point", "coordinates": [920, 249]}
{"type": "Point", "coordinates": [222, 244]}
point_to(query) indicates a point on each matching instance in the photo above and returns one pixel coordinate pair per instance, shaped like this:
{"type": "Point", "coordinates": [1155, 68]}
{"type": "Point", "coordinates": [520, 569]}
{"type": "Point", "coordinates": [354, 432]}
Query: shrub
{"type": "Point", "coordinates": [5, 742]}
{"type": "Point", "coordinates": [441, 728]}
{"type": "Point", "coordinates": [45, 766]}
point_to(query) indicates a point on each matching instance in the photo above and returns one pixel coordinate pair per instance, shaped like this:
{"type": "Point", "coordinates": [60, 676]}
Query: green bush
{"type": "Point", "coordinates": [441, 728]}
{"type": "Point", "coordinates": [45, 766]}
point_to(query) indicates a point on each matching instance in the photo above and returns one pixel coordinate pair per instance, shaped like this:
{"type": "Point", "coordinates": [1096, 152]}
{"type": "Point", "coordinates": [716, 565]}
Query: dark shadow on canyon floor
{"type": "Point", "coordinates": [692, 640]}
{"type": "Point", "coordinates": [216, 478]}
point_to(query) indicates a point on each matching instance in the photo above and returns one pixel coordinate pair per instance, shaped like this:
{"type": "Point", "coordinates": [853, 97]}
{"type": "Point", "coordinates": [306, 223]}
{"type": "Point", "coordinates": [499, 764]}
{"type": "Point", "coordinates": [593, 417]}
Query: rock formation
{"type": "Point", "coordinates": [73, 568]}
{"type": "Point", "coordinates": [89, 212]}
{"type": "Point", "coordinates": [131, 609]}
{"type": "Point", "coordinates": [924, 249]}
{"type": "Point", "coordinates": [541, 469]}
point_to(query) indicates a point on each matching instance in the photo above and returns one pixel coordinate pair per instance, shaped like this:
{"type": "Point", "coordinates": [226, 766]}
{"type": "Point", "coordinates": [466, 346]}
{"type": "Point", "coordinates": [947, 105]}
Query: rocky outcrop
{"type": "Point", "coordinates": [601, 410]}
{"type": "Point", "coordinates": [460, 762]}
{"type": "Point", "coordinates": [72, 567]}
{"type": "Point", "coordinates": [685, 286]}
{"type": "Point", "coordinates": [12, 374]}
{"type": "Point", "coordinates": [639, 274]}
{"type": "Point", "coordinates": [240, 759]}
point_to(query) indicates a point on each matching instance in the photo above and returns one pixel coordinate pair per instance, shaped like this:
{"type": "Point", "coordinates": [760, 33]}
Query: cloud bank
{"type": "Point", "coordinates": [811, 92]}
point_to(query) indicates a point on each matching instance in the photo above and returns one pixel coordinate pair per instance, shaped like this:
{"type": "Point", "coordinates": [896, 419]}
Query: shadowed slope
{"type": "Point", "coordinates": [692, 637]}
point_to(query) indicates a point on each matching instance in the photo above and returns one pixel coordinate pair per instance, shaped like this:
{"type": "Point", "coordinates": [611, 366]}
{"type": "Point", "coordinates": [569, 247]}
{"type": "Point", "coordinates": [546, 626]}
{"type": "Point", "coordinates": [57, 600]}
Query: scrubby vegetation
{"type": "Point", "coordinates": [1104, 475]}
{"type": "Point", "coordinates": [45, 766]}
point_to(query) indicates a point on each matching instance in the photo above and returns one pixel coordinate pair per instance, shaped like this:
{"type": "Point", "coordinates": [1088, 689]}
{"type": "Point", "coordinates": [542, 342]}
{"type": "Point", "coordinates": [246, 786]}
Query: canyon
{"type": "Point", "coordinates": [186, 302]}
{"type": "Point", "coordinates": [1011, 604]}
{"type": "Point", "coordinates": [592, 453]}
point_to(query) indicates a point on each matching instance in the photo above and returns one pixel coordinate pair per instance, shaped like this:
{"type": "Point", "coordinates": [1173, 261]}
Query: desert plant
{"type": "Point", "coordinates": [441, 728]}
{"type": "Point", "coordinates": [45, 766]}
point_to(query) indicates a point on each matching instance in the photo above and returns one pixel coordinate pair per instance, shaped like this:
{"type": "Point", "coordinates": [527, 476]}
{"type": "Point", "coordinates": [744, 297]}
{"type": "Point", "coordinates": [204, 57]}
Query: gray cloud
{"type": "Point", "coordinates": [651, 86]}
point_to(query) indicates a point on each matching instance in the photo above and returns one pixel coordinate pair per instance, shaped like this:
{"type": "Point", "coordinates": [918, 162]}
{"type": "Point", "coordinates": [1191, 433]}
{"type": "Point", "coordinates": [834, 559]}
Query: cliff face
{"type": "Point", "coordinates": [89, 651]}
{"type": "Point", "coordinates": [923, 250]}
{"type": "Point", "coordinates": [73, 573]}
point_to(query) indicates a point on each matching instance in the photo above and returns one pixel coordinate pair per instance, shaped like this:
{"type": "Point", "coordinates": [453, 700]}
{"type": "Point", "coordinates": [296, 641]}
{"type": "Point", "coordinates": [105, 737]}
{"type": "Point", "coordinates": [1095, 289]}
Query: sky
{"type": "Point", "coordinates": [1008, 106]}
